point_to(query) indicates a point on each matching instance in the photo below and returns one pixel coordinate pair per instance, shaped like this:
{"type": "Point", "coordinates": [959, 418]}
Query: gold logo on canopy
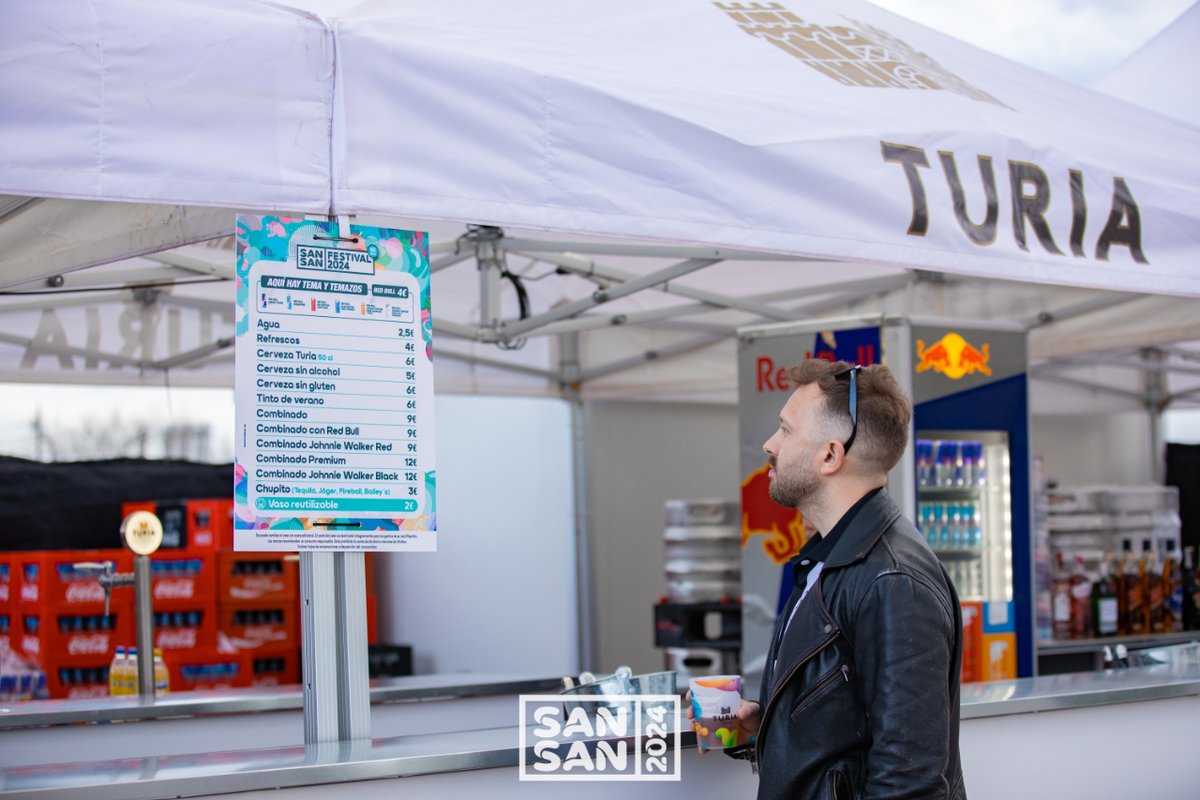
{"type": "Point", "coordinates": [852, 56]}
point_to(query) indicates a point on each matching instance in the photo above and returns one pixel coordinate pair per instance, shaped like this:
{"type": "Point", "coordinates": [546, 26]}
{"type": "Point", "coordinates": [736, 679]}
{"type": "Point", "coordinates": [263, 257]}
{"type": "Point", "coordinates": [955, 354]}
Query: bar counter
{"type": "Point", "coordinates": [1014, 713]}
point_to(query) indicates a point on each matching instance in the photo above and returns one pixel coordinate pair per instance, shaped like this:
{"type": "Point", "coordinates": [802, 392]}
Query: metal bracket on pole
{"type": "Point", "coordinates": [490, 258]}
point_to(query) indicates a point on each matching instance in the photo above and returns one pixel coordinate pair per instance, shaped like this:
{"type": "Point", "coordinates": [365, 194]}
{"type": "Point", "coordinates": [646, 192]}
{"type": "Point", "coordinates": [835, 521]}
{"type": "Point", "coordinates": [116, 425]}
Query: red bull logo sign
{"type": "Point", "coordinates": [953, 356]}
{"type": "Point", "coordinates": [761, 516]}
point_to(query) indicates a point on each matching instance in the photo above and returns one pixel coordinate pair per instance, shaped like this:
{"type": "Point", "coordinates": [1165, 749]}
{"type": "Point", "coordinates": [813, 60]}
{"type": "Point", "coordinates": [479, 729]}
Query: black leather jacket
{"type": "Point", "coordinates": [863, 700]}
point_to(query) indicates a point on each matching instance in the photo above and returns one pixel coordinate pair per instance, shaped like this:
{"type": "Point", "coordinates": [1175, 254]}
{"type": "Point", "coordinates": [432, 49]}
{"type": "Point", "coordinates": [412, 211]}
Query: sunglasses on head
{"type": "Point", "coordinates": [853, 373]}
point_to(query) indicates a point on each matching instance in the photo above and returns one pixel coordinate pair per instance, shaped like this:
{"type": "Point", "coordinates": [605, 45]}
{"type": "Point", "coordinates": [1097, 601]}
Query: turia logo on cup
{"type": "Point", "coordinates": [633, 737]}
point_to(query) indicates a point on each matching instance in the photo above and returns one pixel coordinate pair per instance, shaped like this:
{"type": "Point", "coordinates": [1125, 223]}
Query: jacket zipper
{"type": "Point", "coordinates": [786, 678]}
{"type": "Point", "coordinates": [843, 672]}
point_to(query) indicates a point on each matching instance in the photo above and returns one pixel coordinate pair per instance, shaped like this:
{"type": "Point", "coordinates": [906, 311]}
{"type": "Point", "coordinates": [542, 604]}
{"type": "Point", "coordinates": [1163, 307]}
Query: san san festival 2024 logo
{"type": "Point", "coordinates": [633, 737]}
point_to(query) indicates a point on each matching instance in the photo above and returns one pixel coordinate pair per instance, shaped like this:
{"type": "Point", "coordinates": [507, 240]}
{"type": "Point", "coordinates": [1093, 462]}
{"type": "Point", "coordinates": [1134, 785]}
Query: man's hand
{"type": "Point", "coordinates": [749, 717]}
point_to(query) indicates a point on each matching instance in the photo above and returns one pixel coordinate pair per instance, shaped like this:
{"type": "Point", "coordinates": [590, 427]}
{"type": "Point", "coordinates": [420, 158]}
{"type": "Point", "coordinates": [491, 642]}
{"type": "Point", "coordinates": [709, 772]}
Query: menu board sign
{"type": "Point", "coordinates": [334, 388]}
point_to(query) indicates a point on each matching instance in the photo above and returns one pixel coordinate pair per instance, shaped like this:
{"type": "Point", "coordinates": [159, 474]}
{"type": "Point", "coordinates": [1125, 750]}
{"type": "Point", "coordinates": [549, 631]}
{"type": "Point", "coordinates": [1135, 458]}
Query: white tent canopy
{"type": "Point", "coordinates": [881, 165]}
{"type": "Point", "coordinates": [1161, 74]}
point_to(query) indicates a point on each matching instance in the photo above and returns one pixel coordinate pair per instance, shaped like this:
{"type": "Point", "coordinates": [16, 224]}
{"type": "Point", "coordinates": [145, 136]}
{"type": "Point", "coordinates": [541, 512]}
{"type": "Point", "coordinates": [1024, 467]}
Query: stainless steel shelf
{"type": "Point", "coordinates": [950, 492]}
{"type": "Point", "coordinates": [1131, 642]}
{"type": "Point", "coordinates": [958, 553]}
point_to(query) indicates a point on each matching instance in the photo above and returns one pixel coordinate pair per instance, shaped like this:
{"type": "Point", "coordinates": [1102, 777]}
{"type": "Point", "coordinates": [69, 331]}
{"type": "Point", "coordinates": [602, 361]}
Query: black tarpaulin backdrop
{"type": "Point", "coordinates": [77, 505]}
{"type": "Point", "coordinates": [1183, 471]}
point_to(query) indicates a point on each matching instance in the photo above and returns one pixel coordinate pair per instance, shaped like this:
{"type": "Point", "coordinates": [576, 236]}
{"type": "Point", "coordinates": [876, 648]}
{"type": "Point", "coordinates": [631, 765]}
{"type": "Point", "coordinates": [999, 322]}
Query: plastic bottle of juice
{"type": "Point", "coordinates": [114, 672]}
{"type": "Point", "coordinates": [162, 678]}
{"type": "Point", "coordinates": [131, 672]}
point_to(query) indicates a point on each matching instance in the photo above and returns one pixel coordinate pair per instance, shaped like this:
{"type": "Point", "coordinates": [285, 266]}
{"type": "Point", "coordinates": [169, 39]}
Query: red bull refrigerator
{"type": "Point", "coordinates": [965, 478]}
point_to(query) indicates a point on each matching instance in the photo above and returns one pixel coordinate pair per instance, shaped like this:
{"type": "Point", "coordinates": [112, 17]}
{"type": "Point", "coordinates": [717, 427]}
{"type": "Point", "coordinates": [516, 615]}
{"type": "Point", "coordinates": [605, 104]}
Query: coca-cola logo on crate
{"type": "Point", "coordinates": [176, 640]}
{"type": "Point", "coordinates": [179, 589]}
{"type": "Point", "coordinates": [85, 592]}
{"type": "Point", "coordinates": [95, 644]}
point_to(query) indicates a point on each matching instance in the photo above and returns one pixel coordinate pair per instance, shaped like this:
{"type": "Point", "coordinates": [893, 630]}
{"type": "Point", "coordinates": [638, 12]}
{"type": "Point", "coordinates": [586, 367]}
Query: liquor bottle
{"type": "Point", "coordinates": [1153, 582]}
{"type": "Point", "coordinates": [1191, 591]}
{"type": "Point", "coordinates": [1105, 610]}
{"type": "Point", "coordinates": [1081, 602]}
{"type": "Point", "coordinates": [1172, 589]}
{"type": "Point", "coordinates": [1060, 600]}
{"type": "Point", "coordinates": [1135, 598]}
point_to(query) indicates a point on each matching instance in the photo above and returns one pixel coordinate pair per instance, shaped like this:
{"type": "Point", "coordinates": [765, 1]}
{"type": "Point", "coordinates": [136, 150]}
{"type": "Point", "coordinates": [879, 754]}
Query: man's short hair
{"type": "Point", "coordinates": [884, 411]}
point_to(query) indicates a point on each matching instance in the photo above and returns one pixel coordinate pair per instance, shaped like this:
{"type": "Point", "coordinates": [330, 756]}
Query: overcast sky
{"type": "Point", "coordinates": [1079, 40]}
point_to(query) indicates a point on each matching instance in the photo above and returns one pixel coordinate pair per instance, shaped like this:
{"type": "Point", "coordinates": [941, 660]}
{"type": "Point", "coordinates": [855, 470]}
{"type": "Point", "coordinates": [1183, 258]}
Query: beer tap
{"type": "Point", "coordinates": [142, 533]}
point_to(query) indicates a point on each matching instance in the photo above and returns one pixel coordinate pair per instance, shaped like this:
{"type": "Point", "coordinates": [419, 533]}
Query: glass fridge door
{"type": "Point", "coordinates": [964, 509]}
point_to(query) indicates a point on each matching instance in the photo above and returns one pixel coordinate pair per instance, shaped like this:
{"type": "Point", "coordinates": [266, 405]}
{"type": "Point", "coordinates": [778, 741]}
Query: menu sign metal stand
{"type": "Point", "coordinates": [334, 427]}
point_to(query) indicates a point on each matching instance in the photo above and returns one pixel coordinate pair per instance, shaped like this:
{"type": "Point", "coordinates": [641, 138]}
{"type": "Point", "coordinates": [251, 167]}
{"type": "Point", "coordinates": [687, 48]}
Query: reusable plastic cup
{"type": "Point", "coordinates": [715, 700]}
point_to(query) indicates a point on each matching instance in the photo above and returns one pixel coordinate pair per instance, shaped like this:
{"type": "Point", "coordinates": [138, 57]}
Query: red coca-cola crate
{"type": "Point", "coordinates": [7, 624]}
{"type": "Point", "coordinates": [183, 579]}
{"type": "Point", "coordinates": [251, 626]}
{"type": "Point", "coordinates": [71, 636]}
{"type": "Point", "coordinates": [206, 668]}
{"type": "Point", "coordinates": [193, 524]}
{"type": "Point", "coordinates": [256, 578]}
{"type": "Point", "coordinates": [8, 581]}
{"type": "Point", "coordinates": [80, 681]}
{"type": "Point", "coordinates": [186, 629]}
{"type": "Point", "coordinates": [211, 521]}
{"type": "Point", "coordinates": [274, 666]}
{"type": "Point", "coordinates": [50, 579]}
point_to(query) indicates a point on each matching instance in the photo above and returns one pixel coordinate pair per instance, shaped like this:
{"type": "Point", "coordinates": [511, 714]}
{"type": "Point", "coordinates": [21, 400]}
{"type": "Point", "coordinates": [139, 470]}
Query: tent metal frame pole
{"type": "Point", "coordinates": [495, 364]}
{"type": "Point", "coordinates": [647, 251]}
{"type": "Point", "coordinates": [1155, 365]}
{"type": "Point", "coordinates": [1043, 375]}
{"type": "Point", "coordinates": [1184, 394]}
{"type": "Point", "coordinates": [457, 330]}
{"type": "Point", "coordinates": [194, 354]}
{"type": "Point", "coordinates": [660, 354]}
{"type": "Point", "coordinates": [449, 260]}
{"type": "Point", "coordinates": [1157, 398]}
{"type": "Point", "coordinates": [569, 352]}
{"type": "Point", "coordinates": [1082, 308]}
{"type": "Point", "coordinates": [1180, 352]}
{"type": "Point", "coordinates": [190, 263]}
{"type": "Point", "coordinates": [706, 340]}
{"type": "Point", "coordinates": [197, 304]}
{"type": "Point", "coordinates": [588, 268]}
{"type": "Point", "coordinates": [519, 328]}
{"type": "Point", "coordinates": [123, 279]}
{"type": "Point", "coordinates": [597, 322]}
{"type": "Point", "coordinates": [56, 302]}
